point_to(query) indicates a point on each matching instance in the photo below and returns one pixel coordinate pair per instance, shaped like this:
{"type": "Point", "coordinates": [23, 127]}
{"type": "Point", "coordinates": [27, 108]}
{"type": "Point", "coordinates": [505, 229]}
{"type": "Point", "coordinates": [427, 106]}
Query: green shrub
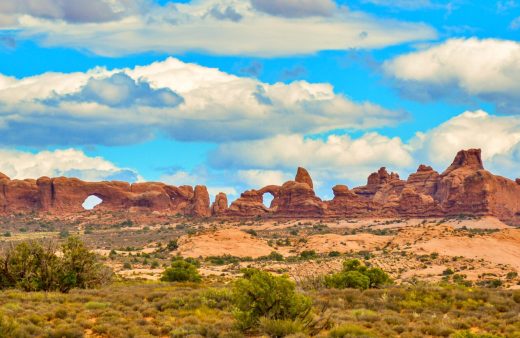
{"type": "Point", "coordinates": [280, 327]}
{"type": "Point", "coordinates": [349, 279]}
{"type": "Point", "coordinates": [181, 271]}
{"type": "Point", "coordinates": [260, 294]}
{"type": "Point", "coordinates": [223, 260]}
{"type": "Point", "coordinates": [357, 276]}
{"type": "Point", "coordinates": [308, 254]}
{"type": "Point", "coordinates": [35, 266]}
{"type": "Point", "coordinates": [273, 256]}
{"type": "Point", "coordinates": [172, 245]}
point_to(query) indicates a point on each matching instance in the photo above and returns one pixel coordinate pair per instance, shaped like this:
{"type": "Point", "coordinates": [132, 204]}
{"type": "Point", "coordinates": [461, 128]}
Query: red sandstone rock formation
{"type": "Point", "coordinates": [302, 176]}
{"type": "Point", "coordinates": [250, 203]}
{"type": "Point", "coordinates": [464, 188]}
{"type": "Point", "coordinates": [220, 205]}
{"type": "Point", "coordinates": [66, 195]}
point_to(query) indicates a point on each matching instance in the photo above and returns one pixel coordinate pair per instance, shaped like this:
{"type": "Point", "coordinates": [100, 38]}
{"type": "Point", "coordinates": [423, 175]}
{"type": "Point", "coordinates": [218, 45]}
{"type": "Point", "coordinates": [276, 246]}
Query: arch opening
{"type": "Point", "coordinates": [91, 202]}
{"type": "Point", "coordinates": [267, 199]}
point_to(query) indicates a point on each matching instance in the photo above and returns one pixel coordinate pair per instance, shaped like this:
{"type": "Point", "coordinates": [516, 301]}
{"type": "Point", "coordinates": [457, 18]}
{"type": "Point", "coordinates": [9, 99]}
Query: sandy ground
{"type": "Point", "coordinates": [500, 248]}
{"type": "Point", "coordinates": [232, 242]}
{"type": "Point", "coordinates": [345, 243]}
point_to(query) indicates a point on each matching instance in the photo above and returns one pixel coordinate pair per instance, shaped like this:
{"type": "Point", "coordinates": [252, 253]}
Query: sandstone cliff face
{"type": "Point", "coordinates": [66, 195]}
{"type": "Point", "coordinates": [464, 188]}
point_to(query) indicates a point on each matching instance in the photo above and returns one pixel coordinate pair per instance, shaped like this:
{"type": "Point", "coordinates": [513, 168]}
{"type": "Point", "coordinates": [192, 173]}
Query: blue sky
{"type": "Point", "coordinates": [235, 94]}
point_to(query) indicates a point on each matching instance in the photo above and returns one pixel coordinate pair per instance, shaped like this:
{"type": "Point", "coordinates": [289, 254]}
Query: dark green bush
{"type": "Point", "coordinates": [181, 271]}
{"type": "Point", "coordinates": [357, 276]}
{"type": "Point", "coordinates": [273, 256]}
{"type": "Point", "coordinates": [260, 294]}
{"type": "Point", "coordinates": [308, 254]}
{"type": "Point", "coordinates": [172, 245]}
{"type": "Point", "coordinates": [36, 266]}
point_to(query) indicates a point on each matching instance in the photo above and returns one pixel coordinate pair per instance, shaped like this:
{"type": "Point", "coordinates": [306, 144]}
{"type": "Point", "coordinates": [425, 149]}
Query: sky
{"type": "Point", "coordinates": [236, 94]}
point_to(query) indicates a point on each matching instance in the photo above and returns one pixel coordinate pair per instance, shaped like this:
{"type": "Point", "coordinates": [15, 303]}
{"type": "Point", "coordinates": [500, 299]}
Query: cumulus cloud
{"type": "Point", "coordinates": [260, 178]}
{"type": "Point", "coordinates": [486, 68]}
{"type": "Point", "coordinates": [497, 136]}
{"type": "Point", "coordinates": [334, 159]}
{"type": "Point", "coordinates": [121, 91]}
{"type": "Point", "coordinates": [295, 8]}
{"type": "Point", "coordinates": [223, 27]}
{"type": "Point", "coordinates": [184, 101]}
{"type": "Point", "coordinates": [66, 162]}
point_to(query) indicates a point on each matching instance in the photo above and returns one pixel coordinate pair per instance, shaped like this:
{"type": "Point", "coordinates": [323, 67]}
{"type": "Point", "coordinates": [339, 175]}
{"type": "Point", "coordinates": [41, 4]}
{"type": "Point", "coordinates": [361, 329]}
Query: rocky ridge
{"type": "Point", "coordinates": [464, 188]}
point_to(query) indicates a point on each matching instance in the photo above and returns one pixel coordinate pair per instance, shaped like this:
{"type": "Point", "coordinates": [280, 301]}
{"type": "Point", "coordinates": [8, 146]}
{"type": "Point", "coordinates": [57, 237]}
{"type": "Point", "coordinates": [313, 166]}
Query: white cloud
{"type": "Point", "coordinates": [185, 101]}
{"type": "Point", "coordinates": [497, 136]}
{"type": "Point", "coordinates": [261, 178]}
{"type": "Point", "coordinates": [341, 159]}
{"type": "Point", "coordinates": [225, 27]}
{"type": "Point", "coordinates": [331, 160]}
{"type": "Point", "coordinates": [66, 162]}
{"type": "Point", "coordinates": [487, 68]}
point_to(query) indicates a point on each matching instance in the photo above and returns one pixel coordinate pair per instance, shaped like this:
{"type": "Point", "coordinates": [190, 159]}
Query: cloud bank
{"type": "Point", "coordinates": [65, 162]}
{"type": "Point", "coordinates": [486, 68]}
{"type": "Point", "coordinates": [342, 159]}
{"type": "Point", "coordinates": [223, 27]}
{"type": "Point", "coordinates": [184, 101]}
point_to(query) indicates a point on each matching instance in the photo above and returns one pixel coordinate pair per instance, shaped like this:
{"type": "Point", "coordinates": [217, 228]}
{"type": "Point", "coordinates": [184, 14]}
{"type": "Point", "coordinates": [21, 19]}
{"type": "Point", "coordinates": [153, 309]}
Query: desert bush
{"type": "Point", "coordinates": [308, 254]}
{"type": "Point", "coordinates": [181, 271]}
{"type": "Point", "coordinates": [273, 256]}
{"type": "Point", "coordinates": [260, 294]}
{"type": "Point", "coordinates": [172, 245]}
{"type": "Point", "coordinates": [357, 276]}
{"type": "Point", "coordinates": [280, 327]}
{"type": "Point", "coordinates": [348, 279]}
{"type": "Point", "coordinates": [223, 260]}
{"type": "Point", "coordinates": [36, 266]}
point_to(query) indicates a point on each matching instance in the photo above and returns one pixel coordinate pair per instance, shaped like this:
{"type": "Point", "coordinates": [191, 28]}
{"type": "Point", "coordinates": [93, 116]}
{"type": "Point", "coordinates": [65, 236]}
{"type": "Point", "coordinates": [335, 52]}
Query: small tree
{"type": "Point", "coordinates": [181, 271]}
{"type": "Point", "coordinates": [357, 276]}
{"type": "Point", "coordinates": [80, 267]}
{"type": "Point", "coordinates": [259, 294]}
{"type": "Point", "coordinates": [35, 266]}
